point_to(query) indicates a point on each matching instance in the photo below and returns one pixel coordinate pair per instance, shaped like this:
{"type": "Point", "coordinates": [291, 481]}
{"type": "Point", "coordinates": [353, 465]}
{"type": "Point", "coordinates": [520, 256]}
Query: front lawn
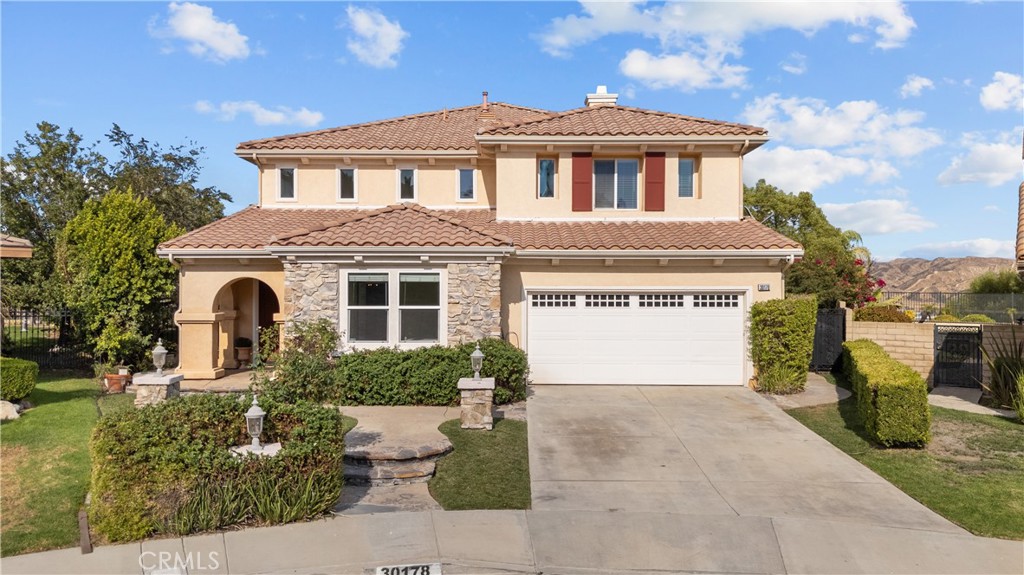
{"type": "Point", "coordinates": [971, 473]}
{"type": "Point", "coordinates": [486, 469]}
{"type": "Point", "coordinates": [44, 461]}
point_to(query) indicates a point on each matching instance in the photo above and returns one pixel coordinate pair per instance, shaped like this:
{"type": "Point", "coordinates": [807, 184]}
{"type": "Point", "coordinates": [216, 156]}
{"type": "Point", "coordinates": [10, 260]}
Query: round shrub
{"type": "Point", "coordinates": [884, 313]}
{"type": "Point", "coordinates": [167, 468]}
{"type": "Point", "coordinates": [977, 318]}
{"type": "Point", "coordinates": [945, 317]}
{"type": "Point", "coordinates": [19, 378]}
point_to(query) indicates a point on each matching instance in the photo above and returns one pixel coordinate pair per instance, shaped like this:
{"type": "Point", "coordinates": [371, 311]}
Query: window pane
{"type": "Point", "coordinates": [685, 178]}
{"type": "Point", "coordinates": [406, 182]}
{"type": "Point", "coordinates": [368, 289]}
{"type": "Point", "coordinates": [604, 183]}
{"type": "Point", "coordinates": [348, 184]}
{"type": "Point", "coordinates": [368, 324]}
{"type": "Point", "coordinates": [466, 184]}
{"type": "Point", "coordinates": [287, 182]}
{"type": "Point", "coordinates": [546, 184]}
{"type": "Point", "coordinates": [419, 324]}
{"type": "Point", "coordinates": [419, 289]}
{"type": "Point", "coordinates": [628, 170]}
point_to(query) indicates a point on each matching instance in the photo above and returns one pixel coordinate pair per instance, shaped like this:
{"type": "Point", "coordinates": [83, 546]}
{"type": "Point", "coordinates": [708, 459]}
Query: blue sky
{"type": "Point", "coordinates": [903, 119]}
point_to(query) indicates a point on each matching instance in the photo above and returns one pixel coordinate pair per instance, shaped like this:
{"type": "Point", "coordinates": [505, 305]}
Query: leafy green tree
{"type": "Point", "coordinates": [1003, 281]}
{"type": "Point", "coordinates": [118, 287]}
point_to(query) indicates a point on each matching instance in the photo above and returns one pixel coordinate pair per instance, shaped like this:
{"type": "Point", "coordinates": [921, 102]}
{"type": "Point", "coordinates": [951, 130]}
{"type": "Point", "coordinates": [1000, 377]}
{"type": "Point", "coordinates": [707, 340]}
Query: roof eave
{"type": "Point", "coordinates": [751, 141]}
{"type": "Point", "coordinates": [390, 250]}
{"type": "Point", "coordinates": [777, 253]}
{"type": "Point", "coordinates": [213, 253]}
{"type": "Point", "coordinates": [252, 153]}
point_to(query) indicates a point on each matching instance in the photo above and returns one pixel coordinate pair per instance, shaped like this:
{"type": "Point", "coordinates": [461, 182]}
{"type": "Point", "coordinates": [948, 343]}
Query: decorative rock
{"type": "Point", "coordinates": [8, 411]}
{"type": "Point", "coordinates": [311, 292]}
{"type": "Point", "coordinates": [151, 388]}
{"type": "Point", "coordinates": [477, 402]}
{"type": "Point", "coordinates": [474, 302]}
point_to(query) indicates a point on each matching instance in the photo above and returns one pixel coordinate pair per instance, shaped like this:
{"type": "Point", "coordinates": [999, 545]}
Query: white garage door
{"type": "Point", "coordinates": [636, 338]}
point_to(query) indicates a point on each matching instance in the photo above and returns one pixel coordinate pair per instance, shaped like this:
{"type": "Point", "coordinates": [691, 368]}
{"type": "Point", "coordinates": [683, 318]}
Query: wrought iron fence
{"type": "Point", "coordinates": [1002, 308]}
{"type": "Point", "coordinates": [45, 337]}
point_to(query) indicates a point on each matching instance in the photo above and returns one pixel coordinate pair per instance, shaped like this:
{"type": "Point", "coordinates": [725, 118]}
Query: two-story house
{"type": "Point", "coordinates": [609, 242]}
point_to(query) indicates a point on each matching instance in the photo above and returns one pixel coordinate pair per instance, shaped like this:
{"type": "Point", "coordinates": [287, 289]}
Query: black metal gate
{"type": "Point", "coordinates": [958, 355]}
{"type": "Point", "coordinates": [829, 335]}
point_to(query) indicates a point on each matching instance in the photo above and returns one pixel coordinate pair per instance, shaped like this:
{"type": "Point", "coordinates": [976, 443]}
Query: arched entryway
{"type": "Point", "coordinates": [244, 306]}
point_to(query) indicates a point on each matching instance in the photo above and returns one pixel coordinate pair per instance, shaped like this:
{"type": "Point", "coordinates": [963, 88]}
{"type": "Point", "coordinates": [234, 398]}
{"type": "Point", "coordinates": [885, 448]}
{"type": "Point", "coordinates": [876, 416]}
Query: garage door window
{"type": "Point", "coordinates": [553, 300]}
{"type": "Point", "coordinates": [368, 307]}
{"type": "Point", "coordinates": [716, 300]}
{"type": "Point", "coordinates": [661, 299]}
{"type": "Point", "coordinates": [606, 300]}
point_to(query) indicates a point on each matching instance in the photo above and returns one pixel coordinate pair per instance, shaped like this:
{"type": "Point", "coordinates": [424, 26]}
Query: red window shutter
{"type": "Point", "coordinates": [654, 182]}
{"type": "Point", "coordinates": [582, 182]}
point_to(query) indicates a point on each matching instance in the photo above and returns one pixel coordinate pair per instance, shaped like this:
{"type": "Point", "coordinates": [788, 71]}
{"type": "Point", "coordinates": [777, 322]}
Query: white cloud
{"type": "Point", "coordinates": [984, 247]}
{"type": "Point", "coordinates": [684, 71]}
{"type": "Point", "coordinates": [876, 217]}
{"type": "Point", "coordinates": [796, 64]}
{"type": "Point", "coordinates": [809, 169]}
{"type": "Point", "coordinates": [989, 162]}
{"type": "Point", "coordinates": [205, 36]}
{"type": "Point", "coordinates": [279, 115]}
{"type": "Point", "coordinates": [992, 208]}
{"type": "Point", "coordinates": [377, 40]}
{"type": "Point", "coordinates": [858, 126]}
{"type": "Point", "coordinates": [1006, 91]}
{"type": "Point", "coordinates": [914, 85]}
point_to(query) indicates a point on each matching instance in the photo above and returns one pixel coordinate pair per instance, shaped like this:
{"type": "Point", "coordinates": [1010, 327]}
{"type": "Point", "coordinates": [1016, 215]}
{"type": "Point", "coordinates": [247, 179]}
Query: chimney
{"type": "Point", "coordinates": [601, 98]}
{"type": "Point", "coordinates": [485, 108]}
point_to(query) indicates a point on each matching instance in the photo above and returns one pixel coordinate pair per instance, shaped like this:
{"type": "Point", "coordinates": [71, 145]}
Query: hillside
{"type": "Point", "coordinates": [940, 274]}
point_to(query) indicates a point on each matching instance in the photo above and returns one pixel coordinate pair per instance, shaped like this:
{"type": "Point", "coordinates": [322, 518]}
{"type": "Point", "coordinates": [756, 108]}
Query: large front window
{"type": "Point", "coordinates": [394, 307]}
{"type": "Point", "coordinates": [615, 184]}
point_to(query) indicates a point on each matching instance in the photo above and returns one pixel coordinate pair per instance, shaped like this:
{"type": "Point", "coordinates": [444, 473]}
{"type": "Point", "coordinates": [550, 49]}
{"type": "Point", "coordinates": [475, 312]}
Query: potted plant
{"type": "Point", "coordinates": [118, 342]}
{"type": "Point", "coordinates": [243, 350]}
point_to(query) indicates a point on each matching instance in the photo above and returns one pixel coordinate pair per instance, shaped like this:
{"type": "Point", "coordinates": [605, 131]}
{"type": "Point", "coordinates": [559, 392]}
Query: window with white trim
{"type": "Point", "coordinates": [346, 184]}
{"type": "Point", "coordinates": [368, 307]}
{"type": "Point", "coordinates": [615, 184]}
{"type": "Point", "coordinates": [419, 307]}
{"type": "Point", "coordinates": [286, 182]}
{"type": "Point", "coordinates": [716, 300]}
{"type": "Point", "coordinates": [685, 177]}
{"type": "Point", "coordinates": [467, 184]}
{"type": "Point", "coordinates": [392, 307]}
{"type": "Point", "coordinates": [406, 183]}
{"type": "Point", "coordinates": [546, 169]}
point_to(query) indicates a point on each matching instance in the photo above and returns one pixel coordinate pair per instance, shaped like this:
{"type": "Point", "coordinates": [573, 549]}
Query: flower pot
{"type": "Point", "coordinates": [115, 382]}
{"type": "Point", "coordinates": [243, 354]}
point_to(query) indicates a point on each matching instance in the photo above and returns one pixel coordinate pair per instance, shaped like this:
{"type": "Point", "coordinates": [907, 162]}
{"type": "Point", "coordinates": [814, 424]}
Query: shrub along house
{"type": "Point", "coordinates": [609, 242]}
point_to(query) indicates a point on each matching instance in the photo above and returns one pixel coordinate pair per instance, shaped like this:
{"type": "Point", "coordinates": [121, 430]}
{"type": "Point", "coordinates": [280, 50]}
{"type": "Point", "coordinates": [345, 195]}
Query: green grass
{"type": "Point", "coordinates": [348, 423]}
{"type": "Point", "coordinates": [971, 473]}
{"type": "Point", "coordinates": [45, 465]}
{"type": "Point", "coordinates": [486, 469]}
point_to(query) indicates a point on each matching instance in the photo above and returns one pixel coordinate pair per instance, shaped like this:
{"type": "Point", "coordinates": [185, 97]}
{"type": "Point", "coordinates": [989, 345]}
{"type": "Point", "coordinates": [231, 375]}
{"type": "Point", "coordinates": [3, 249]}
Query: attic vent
{"type": "Point", "coordinates": [601, 98]}
{"type": "Point", "coordinates": [485, 109]}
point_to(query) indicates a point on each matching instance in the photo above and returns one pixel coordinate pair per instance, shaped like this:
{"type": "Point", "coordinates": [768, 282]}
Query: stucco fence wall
{"type": "Point", "coordinates": [914, 343]}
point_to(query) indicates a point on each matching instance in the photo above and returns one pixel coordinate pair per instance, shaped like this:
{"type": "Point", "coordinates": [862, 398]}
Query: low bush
{"type": "Point", "coordinates": [167, 468]}
{"type": "Point", "coordinates": [781, 341]}
{"type": "Point", "coordinates": [892, 398]}
{"type": "Point", "coordinates": [306, 370]}
{"type": "Point", "coordinates": [886, 313]}
{"type": "Point", "coordinates": [977, 318]}
{"type": "Point", "coordinates": [946, 318]}
{"type": "Point", "coordinates": [18, 378]}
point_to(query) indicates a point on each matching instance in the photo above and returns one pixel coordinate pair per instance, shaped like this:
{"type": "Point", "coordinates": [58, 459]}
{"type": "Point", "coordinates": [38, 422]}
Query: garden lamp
{"type": "Point", "coordinates": [477, 358]}
{"type": "Point", "coordinates": [159, 356]}
{"type": "Point", "coordinates": [254, 423]}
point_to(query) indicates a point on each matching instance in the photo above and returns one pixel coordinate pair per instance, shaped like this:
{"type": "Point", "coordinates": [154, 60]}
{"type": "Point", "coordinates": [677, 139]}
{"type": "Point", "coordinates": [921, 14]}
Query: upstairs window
{"type": "Point", "coordinates": [545, 178]}
{"type": "Point", "coordinates": [685, 178]}
{"type": "Point", "coordinates": [346, 184]}
{"type": "Point", "coordinates": [407, 184]}
{"type": "Point", "coordinates": [615, 184]}
{"type": "Point", "coordinates": [286, 183]}
{"type": "Point", "coordinates": [467, 184]}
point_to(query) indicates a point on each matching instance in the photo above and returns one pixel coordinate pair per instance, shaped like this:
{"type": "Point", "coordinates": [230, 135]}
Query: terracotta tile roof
{"type": "Point", "coordinates": [9, 241]}
{"type": "Point", "coordinates": [403, 225]}
{"type": "Point", "coordinates": [411, 225]}
{"type": "Point", "coordinates": [440, 130]}
{"type": "Point", "coordinates": [624, 121]}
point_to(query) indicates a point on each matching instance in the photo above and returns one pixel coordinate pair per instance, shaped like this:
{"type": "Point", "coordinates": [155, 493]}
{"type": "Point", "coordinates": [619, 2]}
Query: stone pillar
{"type": "Point", "coordinates": [151, 388]}
{"type": "Point", "coordinates": [474, 302]}
{"type": "Point", "coordinates": [477, 402]}
{"type": "Point", "coordinates": [311, 292]}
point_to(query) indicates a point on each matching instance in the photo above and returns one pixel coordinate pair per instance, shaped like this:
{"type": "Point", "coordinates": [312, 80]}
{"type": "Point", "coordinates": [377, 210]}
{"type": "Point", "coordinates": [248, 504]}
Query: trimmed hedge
{"type": "Point", "coordinates": [892, 398]}
{"type": "Point", "coordinates": [305, 370]}
{"type": "Point", "coordinates": [167, 469]}
{"type": "Point", "coordinates": [782, 339]}
{"type": "Point", "coordinates": [977, 318]}
{"type": "Point", "coordinates": [18, 378]}
{"type": "Point", "coordinates": [885, 313]}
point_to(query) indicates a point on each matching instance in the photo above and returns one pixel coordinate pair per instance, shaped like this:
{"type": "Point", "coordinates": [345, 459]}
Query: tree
{"type": "Point", "coordinates": [118, 287]}
{"type": "Point", "coordinates": [1003, 281]}
{"type": "Point", "coordinates": [169, 178]}
{"type": "Point", "coordinates": [835, 264]}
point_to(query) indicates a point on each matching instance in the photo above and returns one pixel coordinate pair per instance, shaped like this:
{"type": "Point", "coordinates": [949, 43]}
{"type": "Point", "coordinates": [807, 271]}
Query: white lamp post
{"type": "Point", "coordinates": [159, 356]}
{"type": "Point", "coordinates": [254, 423]}
{"type": "Point", "coordinates": [477, 358]}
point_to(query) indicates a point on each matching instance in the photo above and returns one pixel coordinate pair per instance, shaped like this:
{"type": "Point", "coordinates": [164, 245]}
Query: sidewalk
{"type": "Point", "coordinates": [551, 542]}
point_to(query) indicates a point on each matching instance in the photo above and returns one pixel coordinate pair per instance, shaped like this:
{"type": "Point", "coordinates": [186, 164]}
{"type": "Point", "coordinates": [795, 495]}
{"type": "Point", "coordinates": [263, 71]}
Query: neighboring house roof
{"type": "Point", "coordinates": [14, 247]}
{"type": "Point", "coordinates": [441, 130]}
{"type": "Point", "coordinates": [623, 121]}
{"type": "Point", "coordinates": [409, 225]}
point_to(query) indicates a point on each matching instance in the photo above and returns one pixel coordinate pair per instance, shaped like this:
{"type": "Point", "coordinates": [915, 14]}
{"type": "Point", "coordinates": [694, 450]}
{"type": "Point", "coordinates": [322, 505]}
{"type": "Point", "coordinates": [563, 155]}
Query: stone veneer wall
{"type": "Point", "coordinates": [311, 292]}
{"type": "Point", "coordinates": [912, 344]}
{"type": "Point", "coordinates": [474, 302]}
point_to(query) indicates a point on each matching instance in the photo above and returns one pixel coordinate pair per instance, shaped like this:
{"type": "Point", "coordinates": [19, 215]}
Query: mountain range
{"type": "Point", "coordinates": [938, 275]}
